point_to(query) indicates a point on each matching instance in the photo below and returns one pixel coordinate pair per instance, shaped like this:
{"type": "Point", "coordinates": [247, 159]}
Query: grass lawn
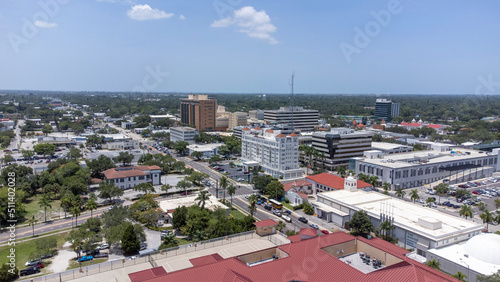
{"type": "Point", "coordinates": [75, 264]}
{"type": "Point", "coordinates": [24, 249]}
{"type": "Point", "coordinates": [236, 213]}
{"type": "Point", "coordinates": [33, 209]}
{"type": "Point", "coordinates": [182, 241]}
{"type": "Point", "coordinates": [288, 206]}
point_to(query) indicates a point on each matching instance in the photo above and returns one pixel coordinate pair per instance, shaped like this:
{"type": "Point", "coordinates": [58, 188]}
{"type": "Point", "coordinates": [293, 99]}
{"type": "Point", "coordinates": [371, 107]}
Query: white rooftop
{"type": "Point", "coordinates": [480, 253]}
{"type": "Point", "coordinates": [172, 204]}
{"type": "Point", "coordinates": [406, 214]}
{"type": "Point", "coordinates": [388, 146]}
{"type": "Point", "coordinates": [430, 156]}
{"type": "Point", "coordinates": [204, 147]}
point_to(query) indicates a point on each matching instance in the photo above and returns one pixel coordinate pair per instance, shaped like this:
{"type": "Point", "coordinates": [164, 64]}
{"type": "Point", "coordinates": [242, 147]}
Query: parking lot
{"type": "Point", "coordinates": [234, 172]}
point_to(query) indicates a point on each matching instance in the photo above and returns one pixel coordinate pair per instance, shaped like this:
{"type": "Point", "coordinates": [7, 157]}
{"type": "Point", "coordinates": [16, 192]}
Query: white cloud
{"type": "Point", "coordinates": [42, 24]}
{"type": "Point", "coordinates": [145, 12]}
{"type": "Point", "coordinates": [254, 24]}
{"type": "Point", "coordinates": [181, 17]}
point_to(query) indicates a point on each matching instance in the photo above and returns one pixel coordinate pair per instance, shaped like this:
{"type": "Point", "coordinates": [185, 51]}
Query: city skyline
{"type": "Point", "coordinates": [222, 46]}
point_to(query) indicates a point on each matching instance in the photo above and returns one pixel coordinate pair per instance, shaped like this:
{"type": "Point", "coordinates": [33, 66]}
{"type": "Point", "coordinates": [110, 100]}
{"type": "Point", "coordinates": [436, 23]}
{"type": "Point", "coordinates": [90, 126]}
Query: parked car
{"type": "Point", "coordinates": [39, 265]}
{"type": "Point", "coordinates": [245, 172]}
{"type": "Point", "coordinates": [315, 226]}
{"type": "Point", "coordinates": [143, 246]}
{"type": "Point", "coordinates": [85, 258]}
{"type": "Point", "coordinates": [324, 231]}
{"type": "Point", "coordinates": [101, 255]}
{"type": "Point", "coordinates": [286, 218]}
{"type": "Point", "coordinates": [303, 219]}
{"type": "Point", "coordinates": [29, 271]}
{"type": "Point", "coordinates": [268, 207]}
{"type": "Point", "coordinates": [475, 192]}
{"type": "Point", "coordinates": [46, 256]}
{"type": "Point", "coordinates": [288, 212]}
{"type": "Point", "coordinates": [32, 262]}
{"type": "Point", "coordinates": [185, 193]}
{"type": "Point", "coordinates": [104, 246]}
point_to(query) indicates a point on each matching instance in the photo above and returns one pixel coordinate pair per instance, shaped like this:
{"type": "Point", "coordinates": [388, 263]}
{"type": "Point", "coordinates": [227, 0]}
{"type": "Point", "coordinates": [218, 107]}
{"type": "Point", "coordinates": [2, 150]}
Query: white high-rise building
{"type": "Point", "coordinates": [276, 153]}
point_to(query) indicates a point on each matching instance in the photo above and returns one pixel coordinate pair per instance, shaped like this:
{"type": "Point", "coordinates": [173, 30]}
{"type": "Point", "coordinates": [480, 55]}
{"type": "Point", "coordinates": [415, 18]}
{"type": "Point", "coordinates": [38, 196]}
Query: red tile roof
{"type": "Point", "coordinates": [147, 167]}
{"type": "Point", "coordinates": [308, 231]}
{"type": "Point", "coordinates": [333, 181]}
{"type": "Point", "coordinates": [412, 124]}
{"type": "Point", "coordinates": [303, 195]}
{"type": "Point", "coordinates": [257, 128]}
{"type": "Point", "coordinates": [147, 274]}
{"type": "Point", "coordinates": [265, 223]}
{"type": "Point", "coordinates": [270, 131]}
{"type": "Point", "coordinates": [281, 135]}
{"type": "Point", "coordinates": [246, 129]}
{"type": "Point", "coordinates": [306, 261]}
{"type": "Point", "coordinates": [300, 183]}
{"type": "Point", "coordinates": [435, 126]}
{"type": "Point", "coordinates": [204, 260]}
{"type": "Point", "coordinates": [122, 172]}
{"type": "Point", "coordinates": [293, 135]}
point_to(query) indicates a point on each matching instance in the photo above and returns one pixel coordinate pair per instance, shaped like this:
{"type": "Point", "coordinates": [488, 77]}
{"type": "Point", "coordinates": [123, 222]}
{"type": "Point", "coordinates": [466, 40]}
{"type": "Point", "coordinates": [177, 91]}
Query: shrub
{"type": "Point", "coordinates": [298, 207]}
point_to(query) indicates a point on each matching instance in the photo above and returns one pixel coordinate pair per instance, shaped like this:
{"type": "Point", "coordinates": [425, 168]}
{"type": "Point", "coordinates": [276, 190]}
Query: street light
{"type": "Point", "coordinates": [468, 269]}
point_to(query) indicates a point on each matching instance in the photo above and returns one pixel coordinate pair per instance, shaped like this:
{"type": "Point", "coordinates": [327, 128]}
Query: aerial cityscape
{"type": "Point", "coordinates": [230, 140]}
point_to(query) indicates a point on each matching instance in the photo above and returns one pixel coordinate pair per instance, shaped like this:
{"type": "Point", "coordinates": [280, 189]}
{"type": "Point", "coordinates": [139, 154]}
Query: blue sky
{"type": "Point", "coordinates": [237, 46]}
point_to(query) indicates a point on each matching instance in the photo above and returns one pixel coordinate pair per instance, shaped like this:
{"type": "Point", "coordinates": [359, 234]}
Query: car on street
{"type": "Point", "coordinates": [286, 218]}
{"type": "Point", "coordinates": [315, 226]}
{"type": "Point", "coordinates": [103, 246]}
{"type": "Point", "coordinates": [245, 172]}
{"type": "Point", "coordinates": [303, 219]}
{"type": "Point", "coordinates": [185, 193]}
{"type": "Point", "coordinates": [29, 271]}
{"type": "Point", "coordinates": [277, 212]}
{"type": "Point", "coordinates": [288, 212]}
{"type": "Point", "coordinates": [324, 231]}
{"type": "Point", "coordinates": [85, 258]}
{"type": "Point", "coordinates": [268, 207]}
{"type": "Point", "coordinates": [247, 197]}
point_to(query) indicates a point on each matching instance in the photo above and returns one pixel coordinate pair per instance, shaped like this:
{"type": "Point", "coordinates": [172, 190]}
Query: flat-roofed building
{"type": "Point", "coordinates": [295, 117]}
{"type": "Point", "coordinates": [237, 119]}
{"type": "Point", "coordinates": [200, 111]}
{"type": "Point", "coordinates": [416, 227]}
{"type": "Point", "coordinates": [208, 150]}
{"type": "Point", "coordinates": [339, 145]}
{"type": "Point", "coordinates": [183, 133]}
{"type": "Point", "coordinates": [415, 169]}
{"type": "Point", "coordinates": [276, 153]}
{"type": "Point", "coordinates": [391, 148]}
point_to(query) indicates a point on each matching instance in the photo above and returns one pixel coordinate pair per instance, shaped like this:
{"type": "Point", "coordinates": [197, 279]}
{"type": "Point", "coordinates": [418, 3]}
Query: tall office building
{"type": "Point", "coordinates": [339, 145]}
{"type": "Point", "coordinates": [200, 111]}
{"type": "Point", "coordinates": [294, 117]}
{"type": "Point", "coordinates": [386, 109]}
{"type": "Point", "coordinates": [237, 119]}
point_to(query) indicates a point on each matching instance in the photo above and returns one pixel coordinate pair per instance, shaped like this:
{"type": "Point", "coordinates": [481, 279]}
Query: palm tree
{"type": "Point", "coordinates": [434, 264]}
{"type": "Point", "coordinates": [281, 225]}
{"type": "Point", "coordinates": [460, 276]}
{"type": "Point", "coordinates": [91, 205]}
{"type": "Point", "coordinates": [385, 226]}
{"type": "Point", "coordinates": [414, 195]}
{"type": "Point", "coordinates": [441, 189]}
{"type": "Point", "coordinates": [400, 193]}
{"type": "Point", "coordinates": [202, 198]}
{"type": "Point", "coordinates": [75, 210]}
{"type": "Point", "coordinates": [373, 180]}
{"type": "Point", "coordinates": [32, 222]}
{"type": "Point", "coordinates": [223, 185]}
{"type": "Point", "coordinates": [231, 190]}
{"type": "Point", "coordinates": [253, 204]}
{"type": "Point", "coordinates": [200, 235]}
{"type": "Point", "coordinates": [386, 186]}
{"type": "Point", "coordinates": [44, 203]}
{"type": "Point", "coordinates": [322, 157]}
{"type": "Point", "coordinates": [487, 217]}
{"type": "Point", "coordinates": [341, 170]}
{"type": "Point", "coordinates": [466, 211]}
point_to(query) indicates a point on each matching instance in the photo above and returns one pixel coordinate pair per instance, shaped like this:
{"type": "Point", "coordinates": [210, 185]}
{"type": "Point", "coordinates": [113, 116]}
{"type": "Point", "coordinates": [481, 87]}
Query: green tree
{"type": "Point", "coordinates": [108, 190]}
{"type": "Point", "coordinates": [275, 189]}
{"type": "Point", "coordinates": [202, 198]}
{"type": "Point", "coordinates": [373, 180]}
{"type": "Point", "coordinates": [44, 149]}
{"type": "Point", "coordinates": [6, 274]}
{"type": "Point", "coordinates": [360, 223]}
{"type": "Point", "coordinates": [44, 203]}
{"type": "Point", "coordinates": [281, 225]}
{"type": "Point", "coordinates": [166, 187]}
{"type": "Point", "coordinates": [341, 170]}
{"type": "Point", "coordinates": [47, 129]}
{"type": "Point", "coordinates": [130, 242]}
{"type": "Point", "coordinates": [461, 192]}
{"type": "Point", "coordinates": [74, 153]}
{"type": "Point", "coordinates": [400, 193]}
{"type": "Point", "coordinates": [253, 204]}
{"type": "Point", "coordinates": [385, 226]}
{"type": "Point", "coordinates": [386, 186]}
{"type": "Point", "coordinates": [231, 190]}
{"type": "Point", "coordinates": [466, 211]}
{"type": "Point", "coordinates": [487, 217]}
{"type": "Point", "coordinates": [125, 158]}
{"type": "Point", "coordinates": [184, 184]}
{"type": "Point", "coordinates": [179, 217]}
{"type": "Point", "coordinates": [32, 221]}
{"type": "Point", "coordinates": [95, 140]}
{"type": "Point", "coordinates": [224, 150]}
{"type": "Point", "coordinates": [260, 182]}
{"type": "Point", "coordinates": [441, 190]}
{"type": "Point", "coordinates": [414, 195]}
{"type": "Point", "coordinates": [181, 147]}
{"type": "Point", "coordinates": [495, 277]}
{"type": "Point", "coordinates": [497, 204]}
{"type": "Point", "coordinates": [91, 205]}
{"type": "Point", "coordinates": [169, 241]}
{"type": "Point", "coordinates": [214, 159]}
{"type": "Point", "coordinates": [223, 185]}
{"type": "Point", "coordinates": [434, 264]}
{"type": "Point", "coordinates": [460, 276]}
{"type": "Point", "coordinates": [481, 206]}
{"type": "Point", "coordinates": [27, 154]}
{"type": "Point", "coordinates": [308, 208]}
{"type": "Point", "coordinates": [197, 155]}
{"type": "Point", "coordinates": [145, 187]}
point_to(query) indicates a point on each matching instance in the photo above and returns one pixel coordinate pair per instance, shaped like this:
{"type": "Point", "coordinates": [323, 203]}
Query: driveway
{"type": "Point", "coordinates": [61, 261]}
{"type": "Point", "coordinates": [153, 239]}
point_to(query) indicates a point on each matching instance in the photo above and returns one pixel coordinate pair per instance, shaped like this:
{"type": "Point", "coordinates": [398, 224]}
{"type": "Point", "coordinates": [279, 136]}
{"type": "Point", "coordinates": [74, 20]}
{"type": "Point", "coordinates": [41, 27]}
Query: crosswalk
{"type": "Point", "coordinates": [243, 196]}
